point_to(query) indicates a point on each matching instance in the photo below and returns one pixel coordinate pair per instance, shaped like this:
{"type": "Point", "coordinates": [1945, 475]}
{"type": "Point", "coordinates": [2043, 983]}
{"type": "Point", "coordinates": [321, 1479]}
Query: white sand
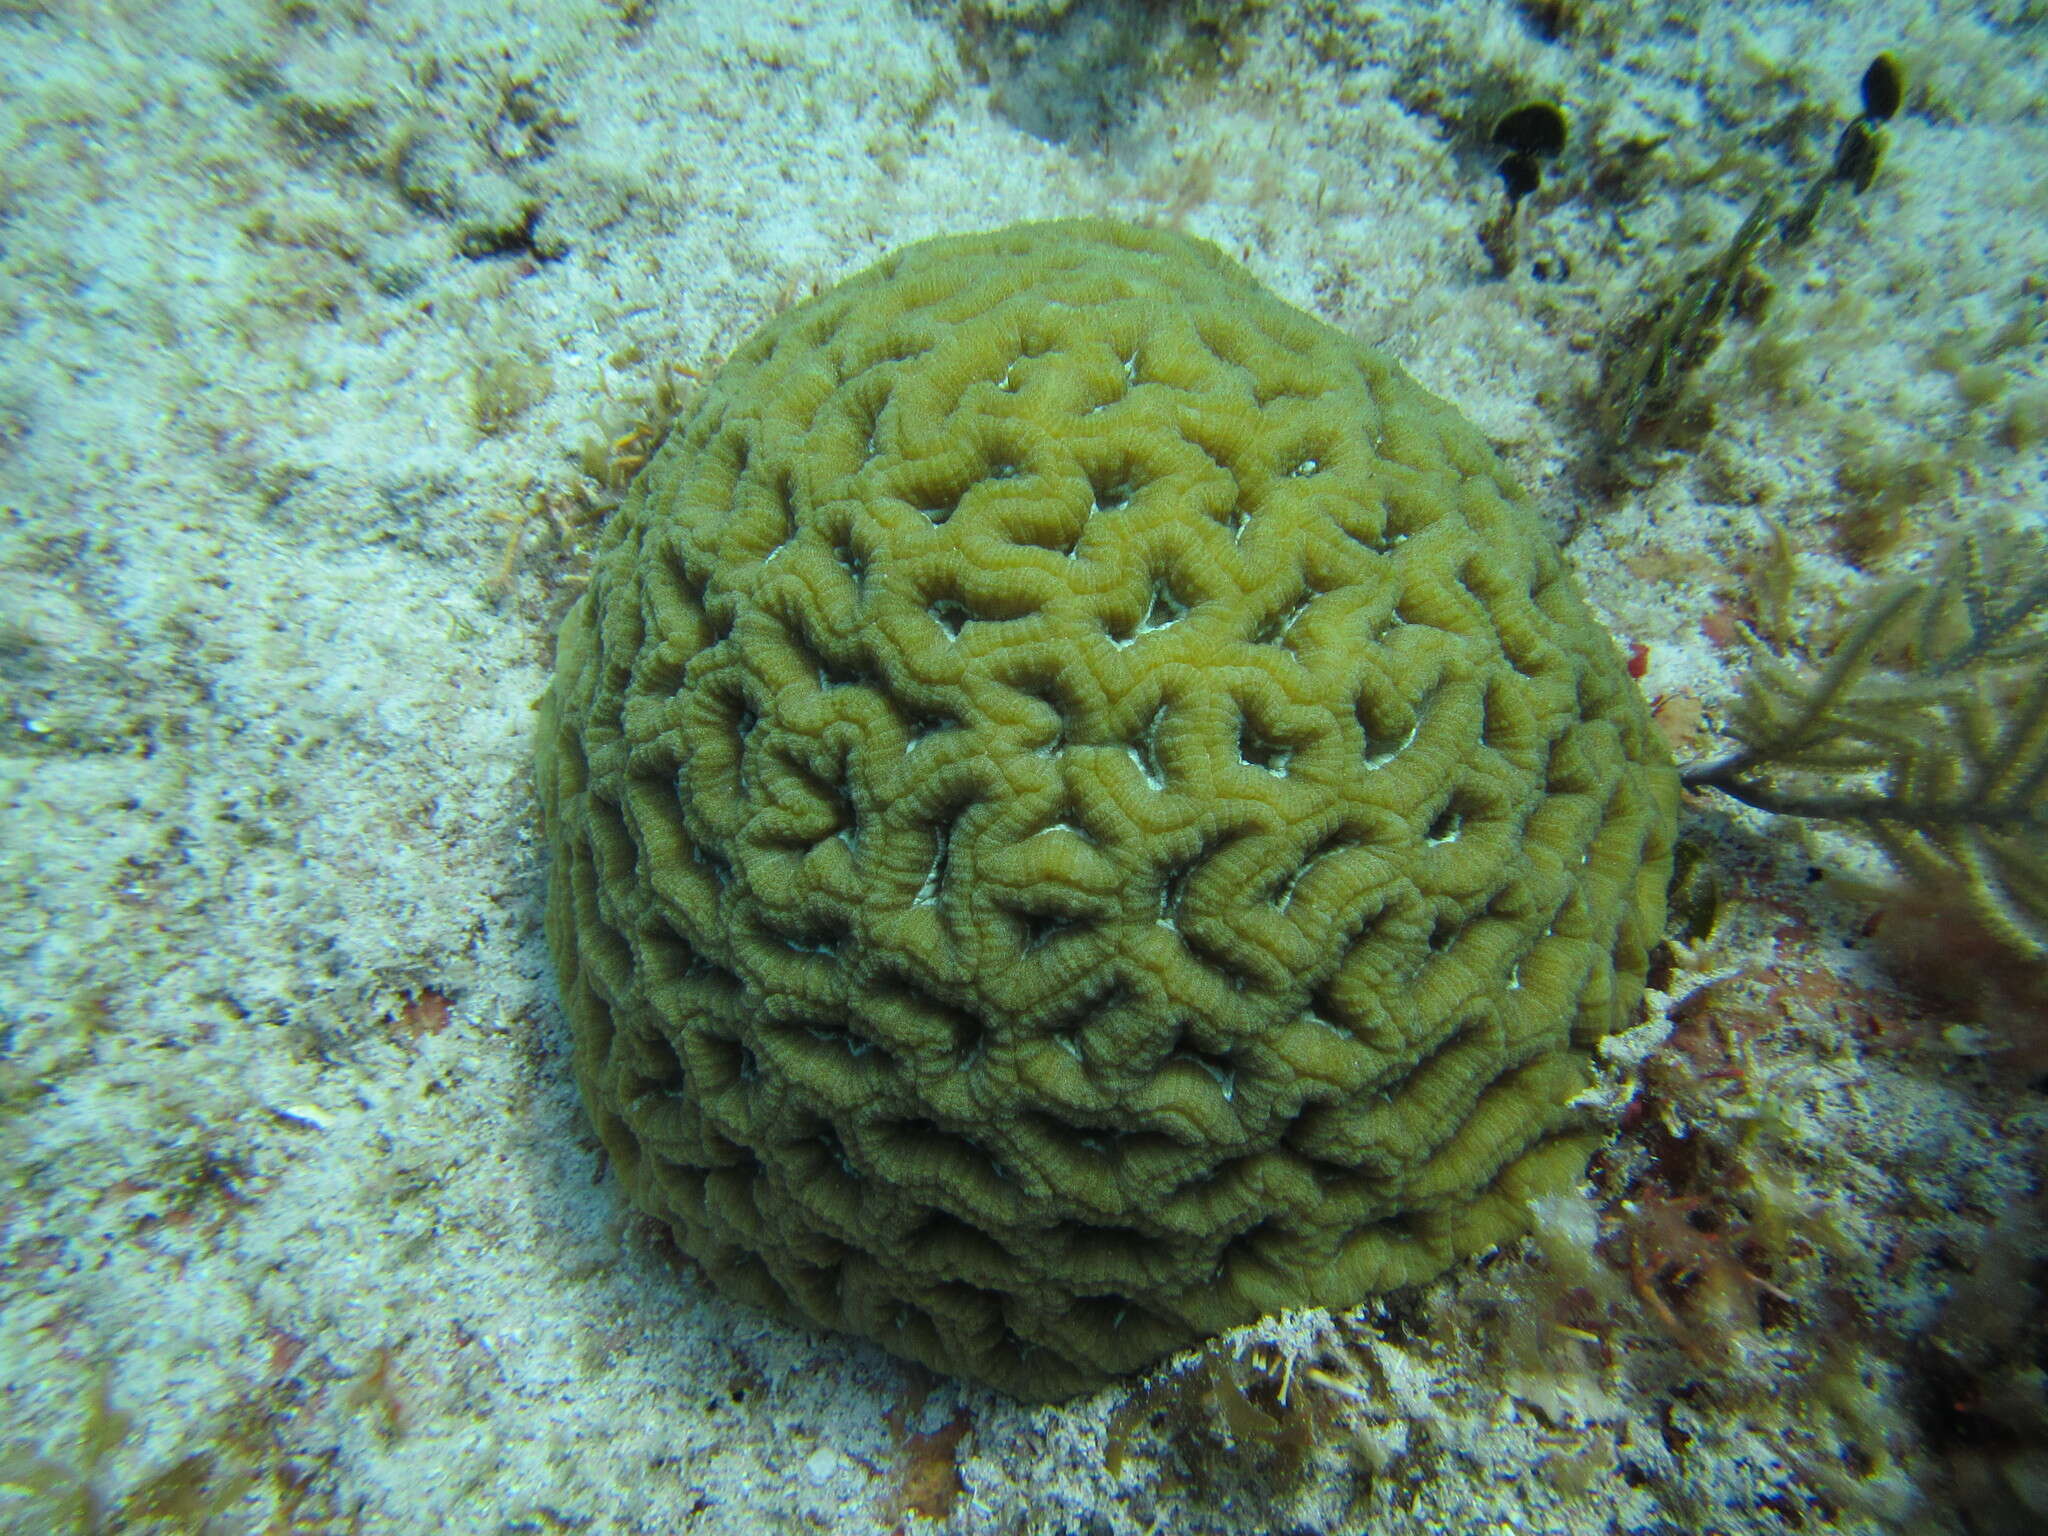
{"type": "Point", "coordinates": [263, 755]}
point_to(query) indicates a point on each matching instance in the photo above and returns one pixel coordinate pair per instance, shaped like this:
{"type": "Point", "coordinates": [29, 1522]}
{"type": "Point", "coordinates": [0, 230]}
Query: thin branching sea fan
{"type": "Point", "coordinates": [1926, 729]}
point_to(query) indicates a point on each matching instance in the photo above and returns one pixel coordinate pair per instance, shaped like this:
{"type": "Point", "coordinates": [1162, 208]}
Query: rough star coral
{"type": "Point", "coordinates": [1086, 809]}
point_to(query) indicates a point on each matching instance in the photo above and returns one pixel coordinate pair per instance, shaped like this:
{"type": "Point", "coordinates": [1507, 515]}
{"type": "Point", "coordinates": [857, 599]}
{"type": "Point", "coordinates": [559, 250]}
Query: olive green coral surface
{"type": "Point", "coordinates": [1086, 809]}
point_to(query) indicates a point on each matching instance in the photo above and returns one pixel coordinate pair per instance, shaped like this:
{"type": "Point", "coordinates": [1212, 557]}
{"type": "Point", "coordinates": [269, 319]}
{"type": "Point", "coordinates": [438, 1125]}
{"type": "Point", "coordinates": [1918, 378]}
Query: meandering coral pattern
{"type": "Point", "coordinates": [1085, 809]}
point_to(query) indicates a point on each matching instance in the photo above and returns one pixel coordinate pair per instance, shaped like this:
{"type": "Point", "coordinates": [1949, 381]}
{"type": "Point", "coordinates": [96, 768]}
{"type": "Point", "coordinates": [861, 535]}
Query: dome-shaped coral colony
{"type": "Point", "coordinates": [1085, 809]}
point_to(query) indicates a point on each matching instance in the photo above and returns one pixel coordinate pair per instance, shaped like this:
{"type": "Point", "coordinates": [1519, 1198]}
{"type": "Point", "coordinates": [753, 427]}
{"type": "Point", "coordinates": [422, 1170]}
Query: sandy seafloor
{"type": "Point", "coordinates": [304, 304]}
